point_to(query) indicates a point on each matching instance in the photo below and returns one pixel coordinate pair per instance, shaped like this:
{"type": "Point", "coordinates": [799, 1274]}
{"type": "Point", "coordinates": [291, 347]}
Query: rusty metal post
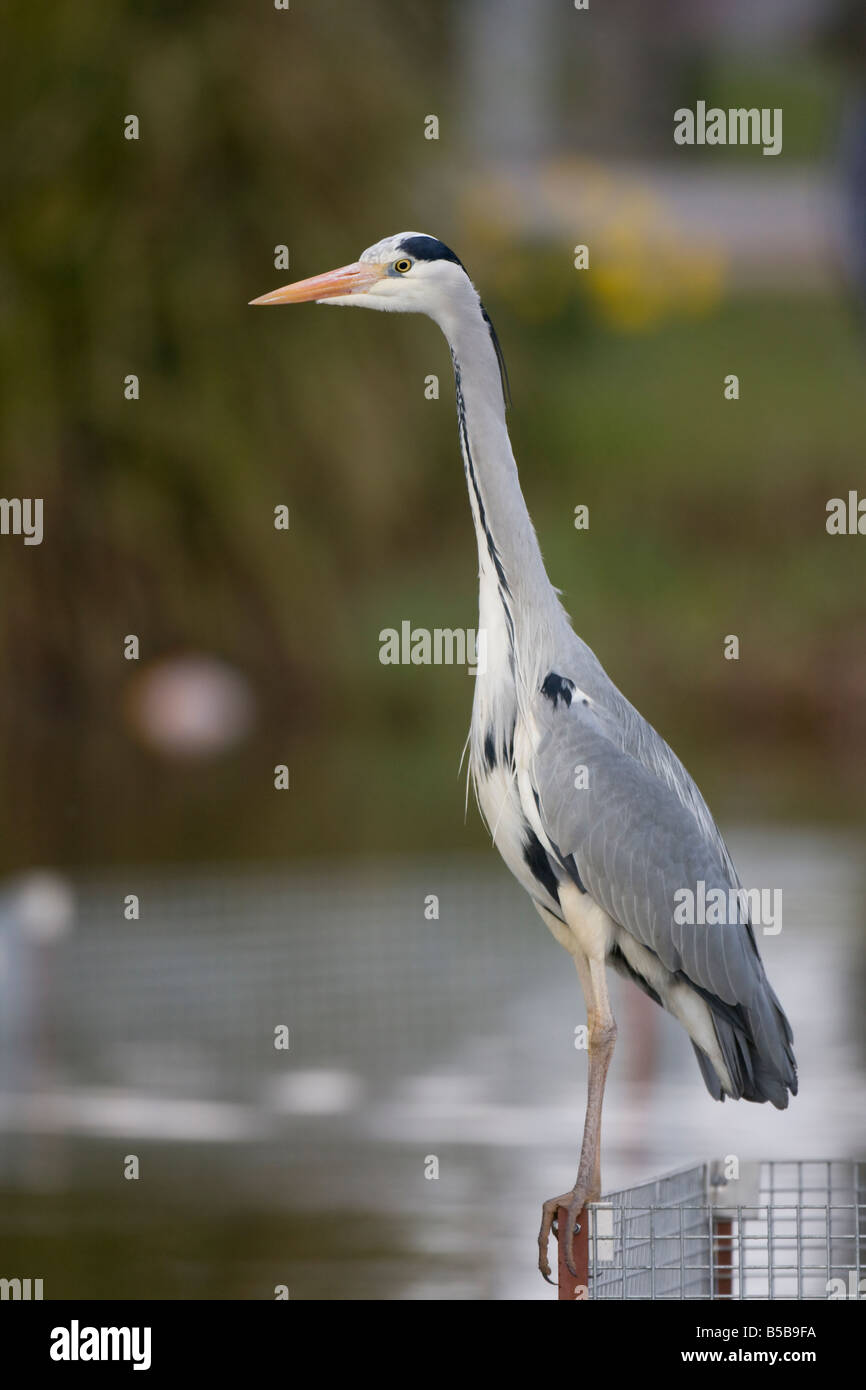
{"type": "Point", "coordinates": [570, 1288]}
{"type": "Point", "coordinates": [723, 1258]}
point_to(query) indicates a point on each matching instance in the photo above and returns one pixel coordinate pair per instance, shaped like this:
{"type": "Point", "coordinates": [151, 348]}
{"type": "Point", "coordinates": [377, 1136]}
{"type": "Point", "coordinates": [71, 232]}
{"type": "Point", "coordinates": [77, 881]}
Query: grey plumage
{"type": "Point", "coordinates": [639, 831]}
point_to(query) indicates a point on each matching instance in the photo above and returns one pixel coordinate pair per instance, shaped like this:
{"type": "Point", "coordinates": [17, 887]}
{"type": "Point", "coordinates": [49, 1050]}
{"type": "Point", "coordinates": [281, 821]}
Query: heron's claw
{"type": "Point", "coordinates": [574, 1202]}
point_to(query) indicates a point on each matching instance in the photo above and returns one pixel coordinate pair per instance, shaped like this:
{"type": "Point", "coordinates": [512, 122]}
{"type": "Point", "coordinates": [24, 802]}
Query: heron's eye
{"type": "Point", "coordinates": [402, 266]}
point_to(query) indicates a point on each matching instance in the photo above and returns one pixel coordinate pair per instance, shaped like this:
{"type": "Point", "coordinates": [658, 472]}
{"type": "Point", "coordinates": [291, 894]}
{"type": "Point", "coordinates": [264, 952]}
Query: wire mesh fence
{"type": "Point", "coordinates": [778, 1230]}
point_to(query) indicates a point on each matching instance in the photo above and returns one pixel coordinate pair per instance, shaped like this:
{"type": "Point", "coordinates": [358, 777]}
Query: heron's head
{"type": "Point", "coordinates": [407, 273]}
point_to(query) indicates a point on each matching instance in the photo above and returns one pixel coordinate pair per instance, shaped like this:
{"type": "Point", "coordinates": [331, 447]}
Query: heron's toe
{"type": "Point", "coordinates": [574, 1203]}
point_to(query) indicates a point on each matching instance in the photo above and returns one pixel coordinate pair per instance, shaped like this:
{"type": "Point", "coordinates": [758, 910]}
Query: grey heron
{"type": "Point", "coordinates": [604, 855]}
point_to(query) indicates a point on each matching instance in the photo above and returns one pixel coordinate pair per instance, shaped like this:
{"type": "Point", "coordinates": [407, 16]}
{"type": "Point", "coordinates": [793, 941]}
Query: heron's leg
{"type": "Point", "coordinates": [602, 1040]}
{"type": "Point", "coordinates": [587, 1187]}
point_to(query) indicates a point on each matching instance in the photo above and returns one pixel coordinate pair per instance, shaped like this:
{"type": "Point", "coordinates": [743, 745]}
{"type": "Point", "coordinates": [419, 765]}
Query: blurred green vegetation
{"type": "Point", "coordinates": [260, 128]}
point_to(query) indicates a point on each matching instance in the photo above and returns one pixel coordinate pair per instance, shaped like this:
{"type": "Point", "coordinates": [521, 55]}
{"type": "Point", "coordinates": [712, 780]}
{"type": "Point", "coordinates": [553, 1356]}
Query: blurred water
{"type": "Point", "coordinates": [411, 1040]}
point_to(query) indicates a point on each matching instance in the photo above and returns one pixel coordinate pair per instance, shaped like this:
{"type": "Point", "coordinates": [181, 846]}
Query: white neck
{"type": "Point", "coordinates": [508, 549]}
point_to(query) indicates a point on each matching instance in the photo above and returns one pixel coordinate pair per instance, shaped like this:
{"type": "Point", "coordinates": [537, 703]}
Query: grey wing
{"type": "Point", "coordinates": [636, 836]}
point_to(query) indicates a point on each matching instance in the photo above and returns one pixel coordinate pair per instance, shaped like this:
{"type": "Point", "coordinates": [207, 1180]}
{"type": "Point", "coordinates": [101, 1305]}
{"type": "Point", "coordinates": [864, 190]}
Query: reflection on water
{"type": "Point", "coordinates": [411, 1040]}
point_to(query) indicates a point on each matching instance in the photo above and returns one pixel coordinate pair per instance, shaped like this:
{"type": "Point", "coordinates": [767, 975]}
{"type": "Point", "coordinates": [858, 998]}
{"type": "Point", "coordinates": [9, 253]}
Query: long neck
{"type": "Point", "coordinates": [508, 549]}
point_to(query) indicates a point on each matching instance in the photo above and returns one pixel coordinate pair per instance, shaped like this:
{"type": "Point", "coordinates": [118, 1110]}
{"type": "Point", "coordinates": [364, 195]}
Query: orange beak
{"type": "Point", "coordinates": [349, 279]}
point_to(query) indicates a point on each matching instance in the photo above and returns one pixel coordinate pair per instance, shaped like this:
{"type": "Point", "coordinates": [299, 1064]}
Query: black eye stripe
{"type": "Point", "coordinates": [427, 248]}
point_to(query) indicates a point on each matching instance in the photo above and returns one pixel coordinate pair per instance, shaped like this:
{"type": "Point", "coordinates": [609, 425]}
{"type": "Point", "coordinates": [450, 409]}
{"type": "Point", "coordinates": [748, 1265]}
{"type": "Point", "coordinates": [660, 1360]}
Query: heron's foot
{"type": "Point", "coordinates": [574, 1203]}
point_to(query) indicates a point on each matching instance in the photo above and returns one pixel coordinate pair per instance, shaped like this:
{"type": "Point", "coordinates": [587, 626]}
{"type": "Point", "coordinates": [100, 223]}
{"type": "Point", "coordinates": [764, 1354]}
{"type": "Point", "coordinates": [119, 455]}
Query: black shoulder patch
{"type": "Point", "coordinates": [557, 688]}
{"type": "Point", "coordinates": [536, 860]}
{"type": "Point", "coordinates": [427, 248]}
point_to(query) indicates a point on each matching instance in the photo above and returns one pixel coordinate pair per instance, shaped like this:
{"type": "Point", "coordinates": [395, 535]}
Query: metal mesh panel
{"type": "Point", "coordinates": [781, 1230]}
{"type": "Point", "coordinates": [653, 1241]}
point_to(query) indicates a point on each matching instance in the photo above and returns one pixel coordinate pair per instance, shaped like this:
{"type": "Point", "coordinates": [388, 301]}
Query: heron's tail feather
{"type": "Point", "coordinates": [756, 1046]}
